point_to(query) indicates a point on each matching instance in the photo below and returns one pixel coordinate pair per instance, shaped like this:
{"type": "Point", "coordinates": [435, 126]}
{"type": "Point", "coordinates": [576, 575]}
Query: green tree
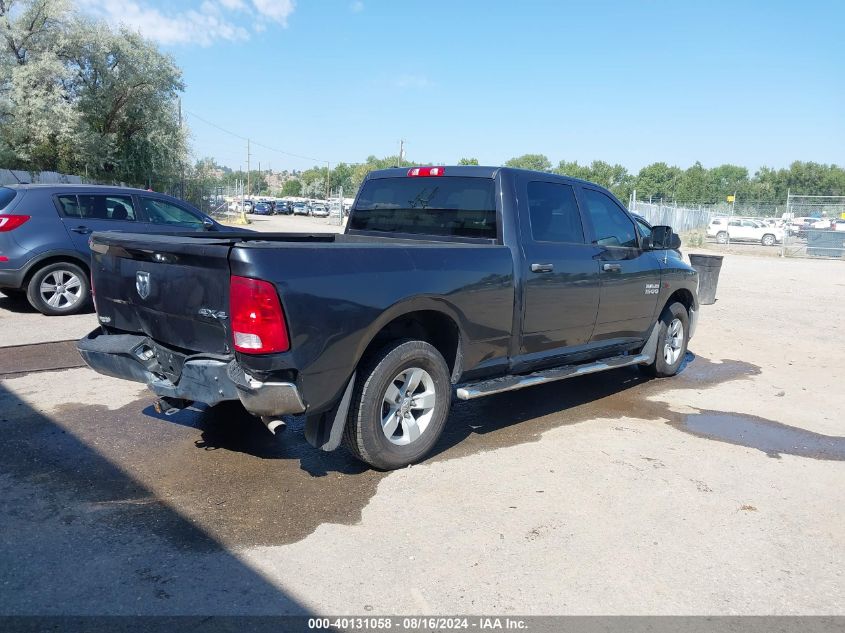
{"type": "Point", "coordinates": [537, 162]}
{"type": "Point", "coordinates": [79, 96]}
{"type": "Point", "coordinates": [657, 181]}
{"type": "Point", "coordinates": [694, 186]}
{"type": "Point", "coordinates": [292, 187]}
{"type": "Point", "coordinates": [468, 161]}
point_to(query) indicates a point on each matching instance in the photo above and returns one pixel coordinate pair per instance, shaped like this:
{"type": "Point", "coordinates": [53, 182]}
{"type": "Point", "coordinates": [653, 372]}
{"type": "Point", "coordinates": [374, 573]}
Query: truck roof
{"type": "Point", "coordinates": [475, 171]}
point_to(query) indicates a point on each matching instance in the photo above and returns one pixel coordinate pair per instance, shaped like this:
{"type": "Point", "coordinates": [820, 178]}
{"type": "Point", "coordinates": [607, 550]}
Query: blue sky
{"type": "Point", "coordinates": [751, 83]}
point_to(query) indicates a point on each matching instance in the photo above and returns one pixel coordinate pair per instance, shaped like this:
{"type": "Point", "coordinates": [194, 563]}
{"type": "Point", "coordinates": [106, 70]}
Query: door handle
{"type": "Point", "coordinates": [82, 229]}
{"type": "Point", "coordinates": [612, 268]}
{"type": "Point", "coordinates": [542, 268]}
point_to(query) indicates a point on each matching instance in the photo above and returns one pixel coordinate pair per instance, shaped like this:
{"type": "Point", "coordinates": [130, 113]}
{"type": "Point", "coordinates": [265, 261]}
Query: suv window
{"type": "Point", "coordinates": [6, 196]}
{"type": "Point", "coordinates": [448, 206]}
{"type": "Point", "coordinates": [611, 224]}
{"type": "Point", "coordinates": [97, 207]}
{"type": "Point", "coordinates": [162, 212]}
{"type": "Point", "coordinates": [554, 213]}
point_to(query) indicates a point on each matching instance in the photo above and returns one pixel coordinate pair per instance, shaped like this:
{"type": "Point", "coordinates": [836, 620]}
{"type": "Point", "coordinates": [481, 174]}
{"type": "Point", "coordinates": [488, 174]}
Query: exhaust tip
{"type": "Point", "coordinates": [273, 423]}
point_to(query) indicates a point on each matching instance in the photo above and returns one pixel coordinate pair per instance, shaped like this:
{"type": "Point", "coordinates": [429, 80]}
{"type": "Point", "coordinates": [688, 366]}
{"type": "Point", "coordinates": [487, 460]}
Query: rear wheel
{"type": "Point", "coordinates": [672, 338]}
{"type": "Point", "coordinates": [59, 289]}
{"type": "Point", "coordinates": [399, 406]}
{"type": "Point", "coordinates": [722, 237]}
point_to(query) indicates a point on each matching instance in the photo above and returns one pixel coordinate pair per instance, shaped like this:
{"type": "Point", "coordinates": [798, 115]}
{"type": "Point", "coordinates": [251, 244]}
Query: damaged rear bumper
{"type": "Point", "coordinates": [205, 378]}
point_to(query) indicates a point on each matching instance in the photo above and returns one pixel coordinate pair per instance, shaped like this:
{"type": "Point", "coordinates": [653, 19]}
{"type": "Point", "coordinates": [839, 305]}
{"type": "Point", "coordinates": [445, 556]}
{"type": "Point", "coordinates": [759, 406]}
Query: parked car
{"type": "Point", "coordinates": [301, 208]}
{"type": "Point", "coordinates": [416, 300]}
{"type": "Point", "coordinates": [283, 207]}
{"type": "Point", "coordinates": [263, 208]}
{"type": "Point", "coordinates": [44, 232]}
{"type": "Point", "coordinates": [744, 230]}
{"type": "Point", "coordinates": [320, 210]}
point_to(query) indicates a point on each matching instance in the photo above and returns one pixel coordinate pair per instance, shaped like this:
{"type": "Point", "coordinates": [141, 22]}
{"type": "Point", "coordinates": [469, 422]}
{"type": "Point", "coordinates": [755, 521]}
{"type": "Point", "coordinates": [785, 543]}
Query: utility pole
{"type": "Point", "coordinates": [401, 152]}
{"type": "Point", "coordinates": [248, 184]}
{"type": "Point", "coordinates": [328, 177]}
{"type": "Point", "coordinates": [182, 184]}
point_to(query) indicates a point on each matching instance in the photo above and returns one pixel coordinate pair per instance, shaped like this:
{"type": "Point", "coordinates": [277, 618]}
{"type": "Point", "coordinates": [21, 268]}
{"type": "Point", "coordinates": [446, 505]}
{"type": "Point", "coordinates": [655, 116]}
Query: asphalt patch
{"type": "Point", "coordinates": [23, 359]}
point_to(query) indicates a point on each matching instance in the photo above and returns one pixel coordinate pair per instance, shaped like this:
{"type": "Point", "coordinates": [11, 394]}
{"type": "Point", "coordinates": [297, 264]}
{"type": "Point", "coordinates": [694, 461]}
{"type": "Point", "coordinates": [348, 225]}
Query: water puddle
{"type": "Point", "coordinates": [773, 438]}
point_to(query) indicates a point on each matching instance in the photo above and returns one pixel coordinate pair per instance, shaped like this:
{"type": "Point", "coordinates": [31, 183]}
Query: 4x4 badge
{"type": "Point", "coordinates": [142, 284]}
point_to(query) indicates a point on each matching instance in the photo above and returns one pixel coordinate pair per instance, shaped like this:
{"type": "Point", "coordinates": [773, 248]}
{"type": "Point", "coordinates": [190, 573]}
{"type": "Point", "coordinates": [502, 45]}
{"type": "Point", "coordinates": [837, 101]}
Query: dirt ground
{"type": "Point", "coordinates": [719, 491]}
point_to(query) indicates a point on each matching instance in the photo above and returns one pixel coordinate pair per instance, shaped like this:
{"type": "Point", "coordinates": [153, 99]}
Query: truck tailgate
{"type": "Point", "coordinates": [173, 288]}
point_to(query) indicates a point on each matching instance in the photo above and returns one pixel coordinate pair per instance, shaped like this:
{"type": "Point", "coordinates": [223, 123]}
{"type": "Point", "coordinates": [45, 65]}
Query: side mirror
{"type": "Point", "coordinates": [661, 238]}
{"type": "Point", "coordinates": [207, 224]}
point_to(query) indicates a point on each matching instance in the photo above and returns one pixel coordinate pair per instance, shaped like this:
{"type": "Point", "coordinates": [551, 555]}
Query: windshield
{"type": "Point", "coordinates": [446, 206]}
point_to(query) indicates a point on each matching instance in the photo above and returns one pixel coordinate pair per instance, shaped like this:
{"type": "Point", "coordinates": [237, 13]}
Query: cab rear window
{"type": "Point", "coordinates": [441, 206]}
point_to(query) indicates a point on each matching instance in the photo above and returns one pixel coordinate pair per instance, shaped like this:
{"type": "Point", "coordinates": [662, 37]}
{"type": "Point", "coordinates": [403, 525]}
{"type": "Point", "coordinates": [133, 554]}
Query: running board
{"type": "Point", "coordinates": [512, 383]}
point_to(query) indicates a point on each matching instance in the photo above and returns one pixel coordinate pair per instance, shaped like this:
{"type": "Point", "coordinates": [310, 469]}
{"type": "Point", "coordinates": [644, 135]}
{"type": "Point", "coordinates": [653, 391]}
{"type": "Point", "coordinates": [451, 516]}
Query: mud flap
{"type": "Point", "coordinates": [650, 347]}
{"type": "Point", "coordinates": [324, 431]}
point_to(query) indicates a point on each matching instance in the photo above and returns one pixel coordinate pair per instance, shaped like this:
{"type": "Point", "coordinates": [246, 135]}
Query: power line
{"type": "Point", "coordinates": [244, 138]}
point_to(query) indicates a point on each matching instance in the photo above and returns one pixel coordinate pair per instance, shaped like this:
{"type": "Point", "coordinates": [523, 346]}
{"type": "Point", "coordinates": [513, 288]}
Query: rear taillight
{"type": "Point", "coordinates": [426, 171]}
{"type": "Point", "coordinates": [258, 323]}
{"type": "Point", "coordinates": [11, 222]}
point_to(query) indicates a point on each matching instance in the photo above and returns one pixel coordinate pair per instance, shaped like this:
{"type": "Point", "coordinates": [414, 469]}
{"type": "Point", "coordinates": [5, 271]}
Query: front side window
{"type": "Point", "coordinates": [554, 213]}
{"type": "Point", "coordinates": [97, 207]}
{"type": "Point", "coordinates": [612, 226]}
{"type": "Point", "coordinates": [643, 227]}
{"type": "Point", "coordinates": [162, 212]}
{"type": "Point", "coordinates": [444, 206]}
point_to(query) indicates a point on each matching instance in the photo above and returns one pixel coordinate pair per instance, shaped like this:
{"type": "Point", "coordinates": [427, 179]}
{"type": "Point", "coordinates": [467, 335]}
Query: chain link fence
{"type": "Point", "coordinates": [815, 227]}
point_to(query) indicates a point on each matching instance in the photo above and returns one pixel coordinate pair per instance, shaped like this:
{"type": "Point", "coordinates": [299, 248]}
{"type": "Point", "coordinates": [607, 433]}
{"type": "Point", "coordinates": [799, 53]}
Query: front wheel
{"type": "Point", "coordinates": [672, 338]}
{"type": "Point", "coordinates": [399, 406]}
{"type": "Point", "coordinates": [768, 240]}
{"type": "Point", "coordinates": [59, 289]}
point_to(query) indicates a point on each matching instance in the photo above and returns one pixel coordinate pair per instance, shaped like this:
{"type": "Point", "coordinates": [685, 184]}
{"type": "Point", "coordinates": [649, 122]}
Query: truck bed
{"type": "Point", "coordinates": [335, 290]}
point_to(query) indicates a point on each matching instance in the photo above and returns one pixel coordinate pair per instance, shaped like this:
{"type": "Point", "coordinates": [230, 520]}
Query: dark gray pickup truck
{"type": "Point", "coordinates": [448, 280]}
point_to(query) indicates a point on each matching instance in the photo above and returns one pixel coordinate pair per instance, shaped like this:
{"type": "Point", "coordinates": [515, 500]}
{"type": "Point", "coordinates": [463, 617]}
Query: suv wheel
{"type": "Point", "coordinates": [672, 338]}
{"type": "Point", "coordinates": [400, 405]}
{"type": "Point", "coordinates": [722, 237]}
{"type": "Point", "coordinates": [768, 240]}
{"type": "Point", "coordinates": [59, 289]}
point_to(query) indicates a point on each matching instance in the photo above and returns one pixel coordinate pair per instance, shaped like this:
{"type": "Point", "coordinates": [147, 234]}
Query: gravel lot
{"type": "Point", "coordinates": [719, 491]}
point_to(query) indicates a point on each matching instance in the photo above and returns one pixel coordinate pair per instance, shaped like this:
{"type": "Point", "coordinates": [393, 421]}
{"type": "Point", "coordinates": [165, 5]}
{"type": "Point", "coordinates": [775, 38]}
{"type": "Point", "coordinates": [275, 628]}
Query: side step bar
{"type": "Point", "coordinates": [512, 383]}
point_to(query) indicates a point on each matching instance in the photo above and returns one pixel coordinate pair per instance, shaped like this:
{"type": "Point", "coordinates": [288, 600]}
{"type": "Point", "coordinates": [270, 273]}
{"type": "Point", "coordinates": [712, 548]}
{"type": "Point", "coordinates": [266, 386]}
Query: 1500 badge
{"type": "Point", "coordinates": [652, 289]}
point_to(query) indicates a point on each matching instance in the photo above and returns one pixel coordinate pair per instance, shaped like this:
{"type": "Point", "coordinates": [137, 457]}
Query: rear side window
{"type": "Point", "coordinates": [162, 212]}
{"type": "Point", "coordinates": [6, 196]}
{"type": "Point", "coordinates": [97, 207]}
{"type": "Point", "coordinates": [444, 206]}
{"type": "Point", "coordinates": [612, 225]}
{"type": "Point", "coordinates": [554, 213]}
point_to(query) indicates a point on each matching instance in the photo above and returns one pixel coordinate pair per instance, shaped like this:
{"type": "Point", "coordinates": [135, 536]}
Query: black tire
{"type": "Point", "coordinates": [661, 367]}
{"type": "Point", "coordinates": [63, 305]}
{"type": "Point", "coordinates": [722, 237]}
{"type": "Point", "coordinates": [768, 240]}
{"type": "Point", "coordinates": [364, 435]}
